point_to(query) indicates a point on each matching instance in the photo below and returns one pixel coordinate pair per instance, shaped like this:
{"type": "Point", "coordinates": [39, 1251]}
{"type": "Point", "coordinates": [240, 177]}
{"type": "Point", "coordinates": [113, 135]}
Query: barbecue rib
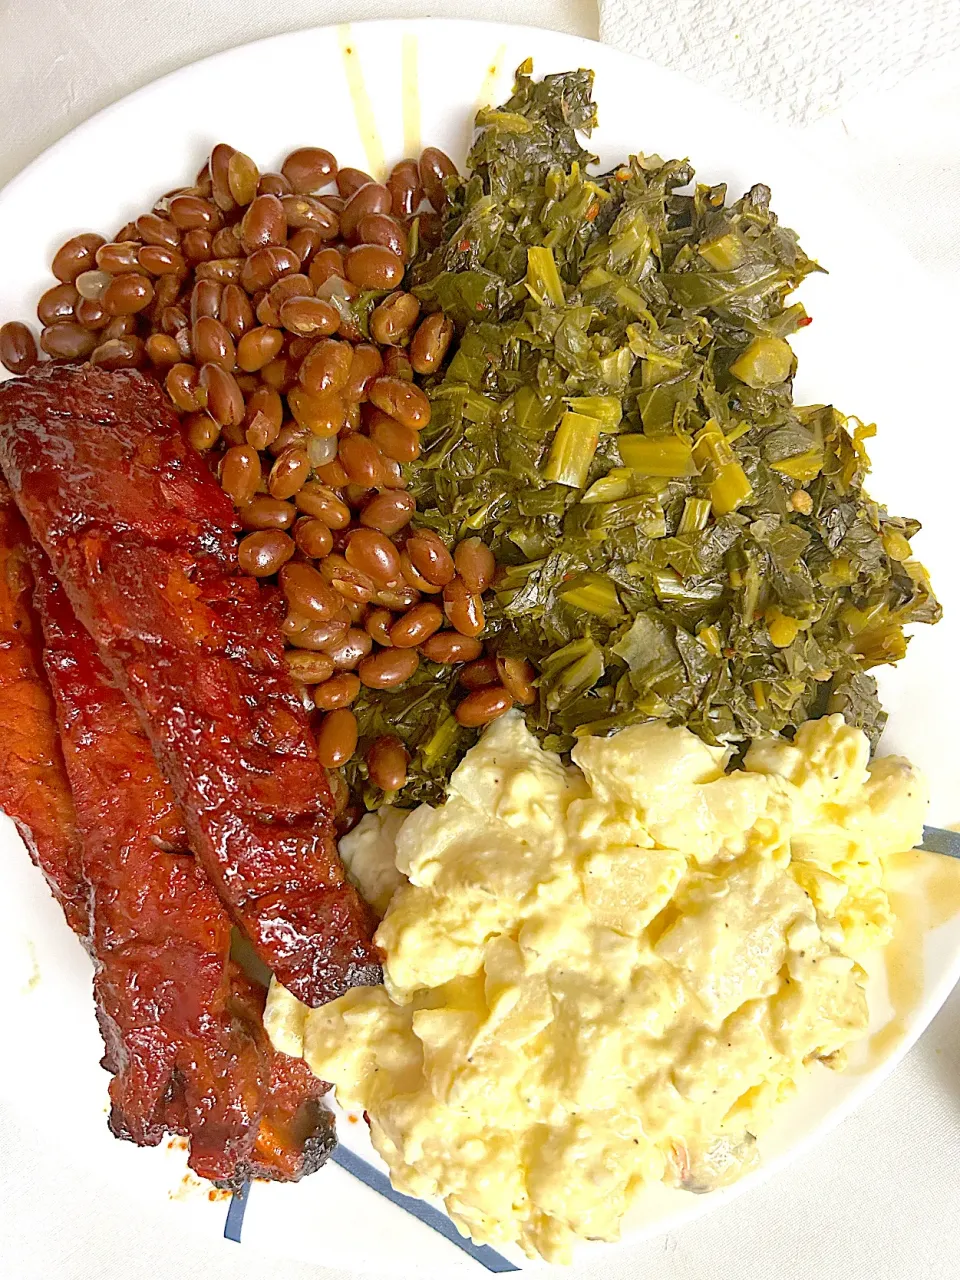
{"type": "Point", "coordinates": [181, 1023]}
{"type": "Point", "coordinates": [34, 790]}
{"type": "Point", "coordinates": [144, 542]}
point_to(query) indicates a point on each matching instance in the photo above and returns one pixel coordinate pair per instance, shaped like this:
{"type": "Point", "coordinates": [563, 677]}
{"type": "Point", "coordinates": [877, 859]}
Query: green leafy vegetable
{"type": "Point", "coordinates": [679, 540]}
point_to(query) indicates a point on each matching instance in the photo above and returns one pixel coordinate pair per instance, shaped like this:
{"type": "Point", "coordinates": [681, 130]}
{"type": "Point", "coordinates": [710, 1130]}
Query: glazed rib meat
{"type": "Point", "coordinates": [180, 1021]}
{"type": "Point", "coordinates": [34, 790]}
{"type": "Point", "coordinates": [144, 542]}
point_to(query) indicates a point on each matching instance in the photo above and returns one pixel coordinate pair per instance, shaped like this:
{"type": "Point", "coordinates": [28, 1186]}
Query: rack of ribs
{"type": "Point", "coordinates": [181, 1023]}
{"type": "Point", "coordinates": [143, 540]}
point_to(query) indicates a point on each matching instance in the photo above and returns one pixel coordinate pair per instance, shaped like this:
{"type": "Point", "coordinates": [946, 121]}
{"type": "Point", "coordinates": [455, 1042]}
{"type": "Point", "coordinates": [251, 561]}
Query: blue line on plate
{"type": "Point", "coordinates": [936, 840]}
{"type": "Point", "coordinates": [424, 1212]}
{"type": "Point", "coordinates": [238, 1207]}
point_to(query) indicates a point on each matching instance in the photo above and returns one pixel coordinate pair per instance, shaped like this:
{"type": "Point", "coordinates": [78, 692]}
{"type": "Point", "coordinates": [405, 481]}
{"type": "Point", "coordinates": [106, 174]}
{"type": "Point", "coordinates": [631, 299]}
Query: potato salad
{"type": "Point", "coordinates": [607, 974]}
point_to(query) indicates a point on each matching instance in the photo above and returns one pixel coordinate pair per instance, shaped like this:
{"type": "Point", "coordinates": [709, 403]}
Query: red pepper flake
{"type": "Point", "coordinates": [463, 246]}
{"type": "Point", "coordinates": [802, 324]}
{"type": "Point", "coordinates": [593, 210]}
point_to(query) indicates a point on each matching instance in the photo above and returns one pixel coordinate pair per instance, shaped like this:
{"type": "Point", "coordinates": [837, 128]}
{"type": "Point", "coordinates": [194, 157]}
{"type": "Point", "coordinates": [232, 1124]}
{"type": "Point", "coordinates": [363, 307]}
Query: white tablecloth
{"type": "Point", "coordinates": [877, 1200]}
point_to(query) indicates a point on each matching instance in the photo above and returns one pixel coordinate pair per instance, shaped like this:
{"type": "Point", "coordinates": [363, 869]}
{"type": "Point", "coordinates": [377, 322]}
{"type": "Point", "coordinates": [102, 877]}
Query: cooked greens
{"type": "Point", "coordinates": [679, 539]}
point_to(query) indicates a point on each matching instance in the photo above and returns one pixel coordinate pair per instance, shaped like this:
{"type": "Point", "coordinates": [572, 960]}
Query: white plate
{"type": "Point", "coordinates": [372, 93]}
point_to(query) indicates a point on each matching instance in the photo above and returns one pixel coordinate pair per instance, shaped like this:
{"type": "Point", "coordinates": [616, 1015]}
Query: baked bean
{"type": "Point", "coordinates": [387, 761]}
{"type": "Point", "coordinates": [388, 512]}
{"type": "Point", "coordinates": [287, 288]}
{"type": "Point", "coordinates": [313, 537]}
{"type": "Point", "coordinates": [289, 472]}
{"type": "Point", "coordinates": [119, 327]}
{"type": "Point", "coordinates": [264, 512]}
{"type": "Point", "coordinates": [76, 255]}
{"type": "Point", "coordinates": [350, 180]}
{"type": "Point", "coordinates": [449, 646]}
{"type": "Point", "coordinates": [274, 184]}
{"type": "Point", "coordinates": [353, 584]}
{"type": "Point", "coordinates": [396, 364]}
{"type": "Point", "coordinates": [119, 353]}
{"type": "Point", "coordinates": [327, 366]}
{"type": "Point", "coordinates": [361, 460]}
{"type": "Point", "coordinates": [201, 431]}
{"type": "Point", "coordinates": [401, 400]}
{"type": "Point", "coordinates": [366, 368]}
{"type": "Point", "coordinates": [417, 625]}
{"type": "Point", "coordinates": [206, 298]}
{"type": "Point", "coordinates": [399, 595]}
{"type": "Point", "coordinates": [322, 414]}
{"type": "Point", "coordinates": [435, 167]}
{"type": "Point", "coordinates": [414, 578]}
{"type": "Point", "coordinates": [337, 737]}
{"type": "Point", "coordinates": [312, 634]}
{"type": "Point", "coordinates": [347, 652]}
{"type": "Point", "coordinates": [323, 504]}
{"type": "Point", "coordinates": [308, 317]}
{"type": "Point", "coordinates": [159, 231]}
{"type": "Point", "coordinates": [160, 261]}
{"type": "Point", "coordinates": [162, 350]}
{"type": "Point", "coordinates": [482, 706]}
{"type": "Point", "coordinates": [309, 168]}
{"type": "Point", "coordinates": [240, 473]}
{"type": "Point", "coordinates": [388, 668]}
{"type": "Point", "coordinates": [212, 343]}
{"type": "Point", "coordinates": [431, 342]}
{"type": "Point", "coordinates": [18, 347]}
{"type": "Point", "coordinates": [242, 178]}
{"type": "Point", "coordinates": [517, 676]}
{"type": "Point", "coordinates": [393, 319]}
{"type": "Point", "coordinates": [67, 341]}
{"type": "Point", "coordinates": [223, 270]}
{"type": "Point", "coordinates": [374, 554]}
{"type": "Point", "coordinates": [127, 294]}
{"type": "Point", "coordinates": [58, 303]}
{"type": "Point", "coordinates": [226, 243]}
{"type": "Point", "coordinates": [265, 401]}
{"type": "Point", "coordinates": [264, 552]}
{"type": "Point", "coordinates": [406, 190]}
{"type": "Point", "coordinates": [372, 197]}
{"type": "Point", "coordinates": [91, 314]}
{"type": "Point", "coordinates": [373, 266]}
{"type": "Point", "coordinates": [119, 257]}
{"type": "Point", "coordinates": [280, 373]}
{"type": "Point", "coordinates": [377, 624]}
{"type": "Point", "coordinates": [166, 291]}
{"type": "Point", "coordinates": [305, 211]}
{"type": "Point", "coordinates": [393, 440]}
{"type": "Point", "coordinates": [307, 593]}
{"type": "Point", "coordinates": [220, 158]}
{"type": "Point", "coordinates": [334, 477]}
{"type": "Point", "coordinates": [463, 608]}
{"type": "Point", "coordinates": [258, 347]}
{"type": "Point", "coordinates": [265, 267]}
{"type": "Point", "coordinates": [306, 242]}
{"type": "Point", "coordinates": [309, 668]}
{"type": "Point", "coordinates": [380, 228]}
{"type": "Point", "coordinates": [183, 387]}
{"type": "Point", "coordinates": [224, 397]}
{"type": "Point", "coordinates": [197, 246]}
{"type": "Point", "coordinates": [326, 264]}
{"type": "Point", "coordinates": [337, 691]}
{"type": "Point", "coordinates": [263, 224]}
{"type": "Point", "coordinates": [202, 183]}
{"type": "Point", "coordinates": [236, 313]}
{"type": "Point", "coordinates": [430, 557]}
{"type": "Point", "coordinates": [320, 449]}
{"type": "Point", "coordinates": [475, 563]}
{"type": "Point", "coordinates": [429, 231]}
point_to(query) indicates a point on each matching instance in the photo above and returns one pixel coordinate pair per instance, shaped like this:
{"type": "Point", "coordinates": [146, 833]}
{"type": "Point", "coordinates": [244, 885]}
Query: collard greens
{"type": "Point", "coordinates": [681, 541]}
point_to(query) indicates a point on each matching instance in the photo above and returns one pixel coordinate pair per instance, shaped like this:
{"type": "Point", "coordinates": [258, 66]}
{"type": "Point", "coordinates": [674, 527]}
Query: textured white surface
{"type": "Point", "coordinates": [799, 59]}
{"type": "Point", "coordinates": [875, 1201]}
